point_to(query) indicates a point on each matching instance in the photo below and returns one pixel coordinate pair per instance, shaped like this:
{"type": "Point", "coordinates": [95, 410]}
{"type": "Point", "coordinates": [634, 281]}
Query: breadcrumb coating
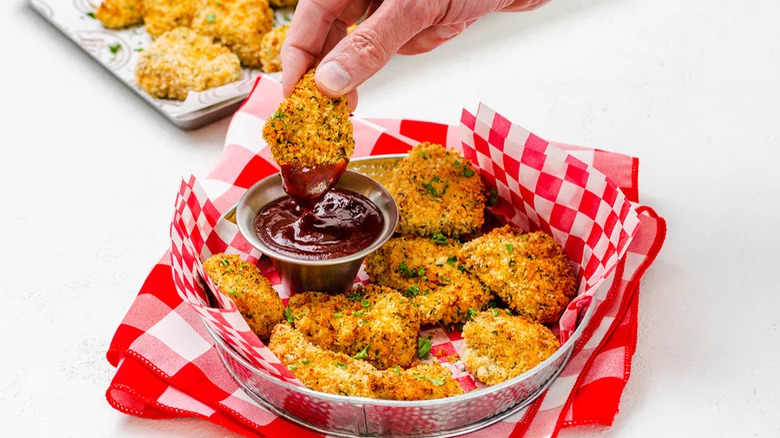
{"type": "Point", "coordinates": [160, 16]}
{"type": "Point", "coordinates": [373, 323]}
{"type": "Point", "coordinates": [437, 191]}
{"type": "Point", "coordinates": [271, 47]}
{"type": "Point", "coordinates": [181, 61]}
{"type": "Point", "coordinates": [529, 271]}
{"type": "Point", "coordinates": [237, 24]}
{"type": "Point", "coordinates": [424, 381]}
{"type": "Point", "coordinates": [283, 3]}
{"type": "Point", "coordinates": [249, 289]}
{"type": "Point", "coordinates": [309, 128]}
{"type": "Point", "coordinates": [498, 346]}
{"type": "Point", "coordinates": [430, 274]}
{"type": "Point", "coordinates": [116, 14]}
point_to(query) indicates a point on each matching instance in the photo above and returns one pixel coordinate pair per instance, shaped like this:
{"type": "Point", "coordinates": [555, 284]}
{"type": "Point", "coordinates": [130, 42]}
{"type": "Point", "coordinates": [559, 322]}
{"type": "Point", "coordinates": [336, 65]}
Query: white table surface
{"type": "Point", "coordinates": [88, 174]}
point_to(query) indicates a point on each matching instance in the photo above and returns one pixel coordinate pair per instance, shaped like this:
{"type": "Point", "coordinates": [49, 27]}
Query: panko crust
{"type": "Point", "coordinates": [498, 346]}
{"type": "Point", "coordinates": [529, 271]}
{"type": "Point", "coordinates": [271, 47]}
{"type": "Point", "coordinates": [252, 293]}
{"type": "Point", "coordinates": [373, 323]}
{"type": "Point", "coordinates": [181, 61]}
{"type": "Point", "coordinates": [430, 274]}
{"type": "Point", "coordinates": [337, 373]}
{"type": "Point", "coordinates": [237, 24]}
{"type": "Point", "coordinates": [116, 14]}
{"type": "Point", "coordinates": [437, 191]}
{"type": "Point", "coordinates": [283, 3]}
{"type": "Point", "coordinates": [309, 128]}
{"type": "Point", "coordinates": [160, 16]}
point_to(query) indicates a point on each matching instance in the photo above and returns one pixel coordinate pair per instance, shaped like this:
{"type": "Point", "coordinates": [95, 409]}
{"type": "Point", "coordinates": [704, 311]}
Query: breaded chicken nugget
{"type": "Point", "coordinates": [181, 61]}
{"type": "Point", "coordinates": [498, 346]}
{"type": "Point", "coordinates": [271, 47]}
{"type": "Point", "coordinates": [437, 191]}
{"type": "Point", "coordinates": [375, 323]}
{"type": "Point", "coordinates": [528, 271]}
{"type": "Point", "coordinates": [116, 14]}
{"type": "Point", "coordinates": [423, 381]}
{"type": "Point", "coordinates": [310, 128]}
{"type": "Point", "coordinates": [238, 24]}
{"type": "Point", "coordinates": [429, 273]}
{"type": "Point", "coordinates": [283, 3]}
{"type": "Point", "coordinates": [160, 16]}
{"type": "Point", "coordinates": [250, 291]}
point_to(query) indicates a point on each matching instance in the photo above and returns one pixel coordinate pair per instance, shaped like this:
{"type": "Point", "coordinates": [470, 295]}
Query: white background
{"type": "Point", "coordinates": [88, 175]}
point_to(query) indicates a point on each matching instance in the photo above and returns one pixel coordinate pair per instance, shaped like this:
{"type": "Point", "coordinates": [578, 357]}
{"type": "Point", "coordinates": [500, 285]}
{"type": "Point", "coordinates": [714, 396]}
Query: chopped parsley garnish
{"type": "Point", "coordinates": [440, 238]}
{"type": "Point", "coordinates": [493, 196]}
{"type": "Point", "coordinates": [277, 116]}
{"type": "Point", "coordinates": [470, 313]}
{"type": "Point", "coordinates": [431, 189]}
{"type": "Point", "coordinates": [362, 354]}
{"type": "Point", "coordinates": [359, 313]}
{"type": "Point", "coordinates": [364, 322]}
{"type": "Point", "coordinates": [365, 303]}
{"type": "Point", "coordinates": [305, 361]}
{"type": "Point", "coordinates": [412, 291]}
{"type": "Point", "coordinates": [461, 269]}
{"type": "Point", "coordinates": [468, 172]}
{"type": "Point", "coordinates": [397, 370]}
{"type": "Point", "coordinates": [209, 18]}
{"type": "Point", "coordinates": [288, 315]}
{"type": "Point", "coordinates": [292, 367]}
{"type": "Point", "coordinates": [225, 262]}
{"type": "Point", "coordinates": [232, 292]}
{"type": "Point", "coordinates": [452, 260]}
{"type": "Point", "coordinates": [338, 315]}
{"type": "Point", "coordinates": [91, 14]}
{"type": "Point", "coordinates": [421, 271]}
{"type": "Point", "coordinates": [423, 348]}
{"type": "Point", "coordinates": [437, 382]}
{"type": "Point", "coordinates": [139, 49]}
{"type": "Point", "coordinates": [509, 248]}
{"type": "Point", "coordinates": [423, 155]}
{"type": "Point", "coordinates": [113, 48]}
{"type": "Point", "coordinates": [457, 163]}
{"type": "Point", "coordinates": [341, 365]}
{"type": "Point", "coordinates": [495, 312]}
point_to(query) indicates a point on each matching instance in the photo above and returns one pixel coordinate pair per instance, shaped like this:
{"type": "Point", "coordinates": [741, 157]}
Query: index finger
{"type": "Point", "coordinates": [305, 37]}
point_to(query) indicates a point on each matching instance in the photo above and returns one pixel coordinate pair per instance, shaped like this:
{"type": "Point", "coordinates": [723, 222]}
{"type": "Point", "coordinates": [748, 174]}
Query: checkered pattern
{"type": "Point", "coordinates": [166, 365]}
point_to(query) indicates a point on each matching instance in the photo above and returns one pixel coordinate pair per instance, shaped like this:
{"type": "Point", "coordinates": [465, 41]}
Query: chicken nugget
{"type": "Point", "coordinates": [252, 293]}
{"type": "Point", "coordinates": [437, 191]}
{"type": "Point", "coordinates": [427, 271]}
{"type": "Point", "coordinates": [181, 61]}
{"type": "Point", "coordinates": [271, 47]}
{"type": "Point", "coordinates": [529, 271]}
{"type": "Point", "coordinates": [237, 24]}
{"type": "Point", "coordinates": [424, 381]}
{"type": "Point", "coordinates": [374, 323]}
{"type": "Point", "coordinates": [160, 16]}
{"type": "Point", "coordinates": [116, 14]}
{"type": "Point", "coordinates": [499, 346]}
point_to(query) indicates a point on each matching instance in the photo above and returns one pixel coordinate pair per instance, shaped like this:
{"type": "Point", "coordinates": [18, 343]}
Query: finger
{"type": "Point", "coordinates": [431, 38]}
{"type": "Point", "coordinates": [352, 100]}
{"type": "Point", "coordinates": [368, 48]}
{"type": "Point", "coordinates": [338, 30]}
{"type": "Point", "coordinates": [305, 37]}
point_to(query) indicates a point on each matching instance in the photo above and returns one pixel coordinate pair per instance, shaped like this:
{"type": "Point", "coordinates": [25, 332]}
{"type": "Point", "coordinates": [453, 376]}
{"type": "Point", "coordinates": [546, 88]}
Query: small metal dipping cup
{"type": "Point", "coordinates": [333, 275]}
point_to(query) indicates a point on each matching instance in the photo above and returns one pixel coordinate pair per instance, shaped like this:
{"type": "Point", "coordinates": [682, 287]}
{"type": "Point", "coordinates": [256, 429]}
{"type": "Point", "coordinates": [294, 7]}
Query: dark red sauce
{"type": "Point", "coordinates": [341, 223]}
{"type": "Point", "coordinates": [309, 184]}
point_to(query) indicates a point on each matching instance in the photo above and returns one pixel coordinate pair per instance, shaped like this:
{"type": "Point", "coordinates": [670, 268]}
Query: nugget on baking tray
{"type": "Point", "coordinates": [529, 271]}
{"type": "Point", "coordinates": [310, 128]}
{"type": "Point", "coordinates": [374, 323]}
{"type": "Point", "coordinates": [337, 373]}
{"type": "Point", "coordinates": [427, 270]}
{"type": "Point", "coordinates": [237, 24]}
{"type": "Point", "coordinates": [160, 16]}
{"type": "Point", "coordinates": [499, 346]}
{"type": "Point", "coordinates": [181, 61]}
{"type": "Point", "coordinates": [271, 47]}
{"type": "Point", "coordinates": [116, 14]}
{"type": "Point", "coordinates": [252, 293]}
{"type": "Point", "coordinates": [437, 191]}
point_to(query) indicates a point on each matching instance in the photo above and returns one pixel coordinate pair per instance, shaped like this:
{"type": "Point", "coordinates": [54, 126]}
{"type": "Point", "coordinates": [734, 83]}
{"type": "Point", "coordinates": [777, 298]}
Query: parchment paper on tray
{"type": "Point", "coordinates": [540, 187]}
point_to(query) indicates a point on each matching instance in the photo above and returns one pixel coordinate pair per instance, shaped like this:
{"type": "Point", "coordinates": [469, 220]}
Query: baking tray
{"type": "Point", "coordinates": [344, 416]}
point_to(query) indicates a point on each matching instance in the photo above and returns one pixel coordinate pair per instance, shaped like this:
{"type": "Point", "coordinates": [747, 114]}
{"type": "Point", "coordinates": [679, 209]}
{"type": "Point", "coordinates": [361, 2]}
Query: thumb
{"type": "Point", "coordinates": [368, 48]}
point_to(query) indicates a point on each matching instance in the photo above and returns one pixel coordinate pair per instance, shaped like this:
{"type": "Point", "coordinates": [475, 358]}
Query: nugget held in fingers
{"type": "Point", "coordinates": [252, 293]}
{"type": "Point", "coordinates": [372, 323]}
{"type": "Point", "coordinates": [437, 191]}
{"type": "Point", "coordinates": [424, 381]}
{"type": "Point", "coordinates": [181, 61]}
{"type": "Point", "coordinates": [428, 272]}
{"type": "Point", "coordinates": [116, 14]}
{"type": "Point", "coordinates": [270, 49]}
{"type": "Point", "coordinates": [529, 271]}
{"type": "Point", "coordinates": [237, 24]}
{"type": "Point", "coordinates": [499, 346]}
{"type": "Point", "coordinates": [160, 16]}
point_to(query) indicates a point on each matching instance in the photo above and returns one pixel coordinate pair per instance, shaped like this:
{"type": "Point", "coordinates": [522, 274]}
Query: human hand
{"type": "Point", "coordinates": [319, 31]}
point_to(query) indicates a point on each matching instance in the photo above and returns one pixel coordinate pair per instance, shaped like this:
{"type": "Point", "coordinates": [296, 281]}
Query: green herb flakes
{"type": "Point", "coordinates": [440, 239]}
{"type": "Point", "coordinates": [288, 315]}
{"type": "Point", "coordinates": [423, 348]}
{"type": "Point", "coordinates": [210, 18]}
{"type": "Point", "coordinates": [341, 365]}
{"type": "Point", "coordinates": [510, 248]}
{"type": "Point", "coordinates": [338, 315]}
{"type": "Point", "coordinates": [362, 354]}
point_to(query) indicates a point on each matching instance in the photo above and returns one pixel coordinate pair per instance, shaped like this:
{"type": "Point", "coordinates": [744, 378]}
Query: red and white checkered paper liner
{"type": "Point", "coordinates": [167, 365]}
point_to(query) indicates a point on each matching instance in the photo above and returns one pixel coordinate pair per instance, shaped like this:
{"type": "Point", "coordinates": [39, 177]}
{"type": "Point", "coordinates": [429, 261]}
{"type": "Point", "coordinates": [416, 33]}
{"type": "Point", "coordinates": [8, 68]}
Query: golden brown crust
{"type": "Point", "coordinates": [181, 61]}
{"type": "Point", "coordinates": [252, 293]}
{"type": "Point", "coordinates": [529, 271]}
{"type": "Point", "coordinates": [271, 47]}
{"type": "Point", "coordinates": [374, 323]}
{"type": "Point", "coordinates": [237, 24]}
{"type": "Point", "coordinates": [437, 191]}
{"type": "Point", "coordinates": [431, 275]}
{"type": "Point", "coordinates": [116, 14]}
{"type": "Point", "coordinates": [160, 16]}
{"type": "Point", "coordinates": [283, 3]}
{"type": "Point", "coordinates": [498, 346]}
{"type": "Point", "coordinates": [310, 128]}
{"type": "Point", "coordinates": [423, 381]}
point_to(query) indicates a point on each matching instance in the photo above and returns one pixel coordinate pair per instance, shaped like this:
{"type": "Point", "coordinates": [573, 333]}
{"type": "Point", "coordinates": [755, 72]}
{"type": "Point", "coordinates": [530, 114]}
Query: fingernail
{"type": "Point", "coordinates": [333, 76]}
{"type": "Point", "coordinates": [446, 32]}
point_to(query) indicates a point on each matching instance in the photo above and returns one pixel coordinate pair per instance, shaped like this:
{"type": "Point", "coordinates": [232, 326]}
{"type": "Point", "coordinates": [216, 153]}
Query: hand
{"type": "Point", "coordinates": [319, 30]}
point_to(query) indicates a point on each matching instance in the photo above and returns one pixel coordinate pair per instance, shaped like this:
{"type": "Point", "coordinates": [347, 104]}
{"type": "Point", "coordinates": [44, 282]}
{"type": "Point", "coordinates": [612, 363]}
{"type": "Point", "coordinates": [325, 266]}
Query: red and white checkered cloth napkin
{"type": "Point", "coordinates": [167, 365]}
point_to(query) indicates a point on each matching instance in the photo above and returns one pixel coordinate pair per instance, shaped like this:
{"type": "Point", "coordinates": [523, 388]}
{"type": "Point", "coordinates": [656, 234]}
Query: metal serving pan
{"type": "Point", "coordinates": [344, 416]}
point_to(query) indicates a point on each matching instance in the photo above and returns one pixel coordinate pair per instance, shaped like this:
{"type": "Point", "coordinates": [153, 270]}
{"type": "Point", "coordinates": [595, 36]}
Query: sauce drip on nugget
{"type": "Point", "coordinates": [310, 136]}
